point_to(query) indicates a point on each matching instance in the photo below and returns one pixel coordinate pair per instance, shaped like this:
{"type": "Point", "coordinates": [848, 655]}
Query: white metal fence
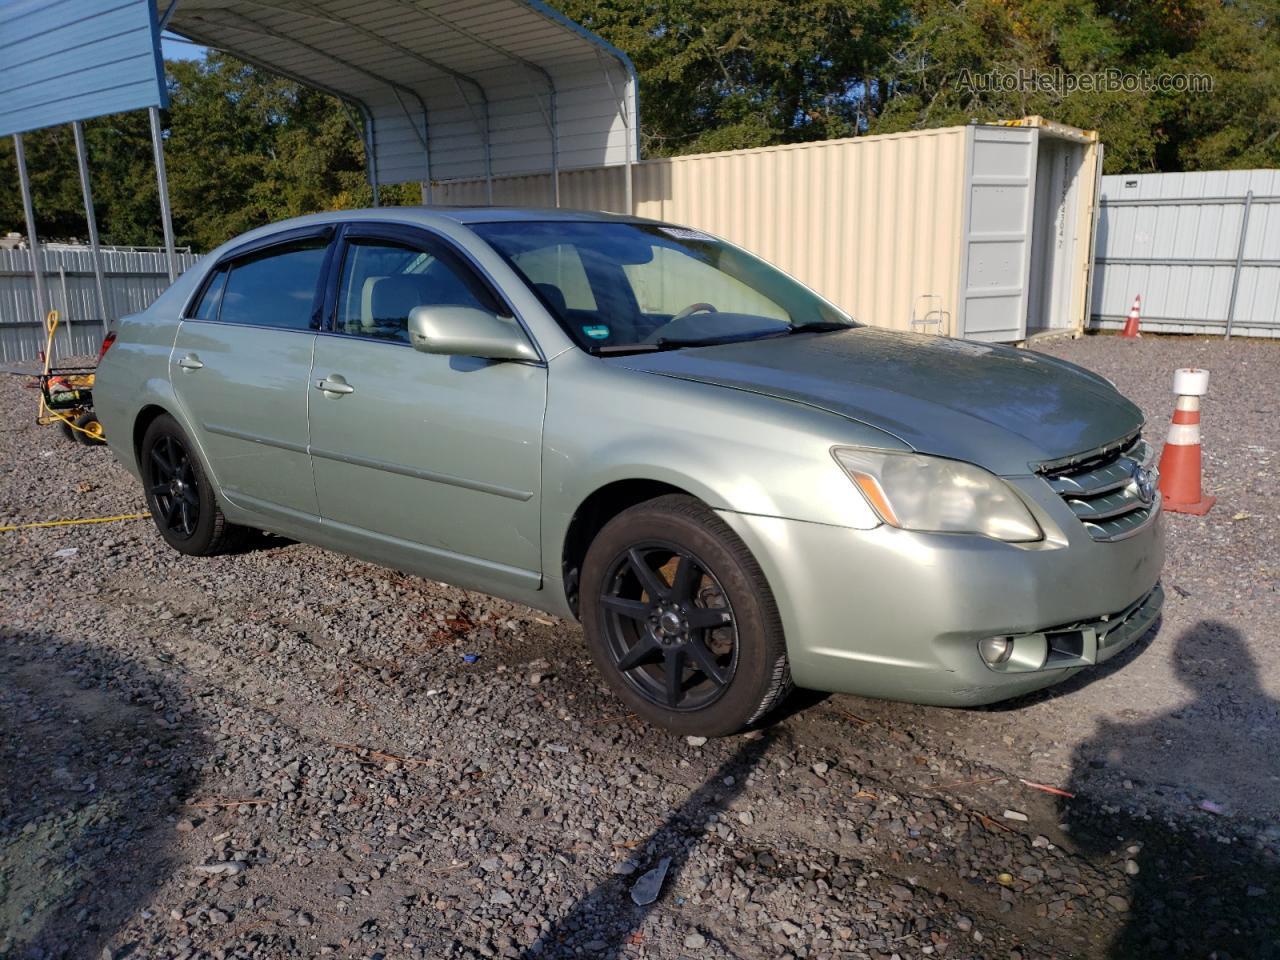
{"type": "Point", "coordinates": [1202, 249]}
{"type": "Point", "coordinates": [132, 279]}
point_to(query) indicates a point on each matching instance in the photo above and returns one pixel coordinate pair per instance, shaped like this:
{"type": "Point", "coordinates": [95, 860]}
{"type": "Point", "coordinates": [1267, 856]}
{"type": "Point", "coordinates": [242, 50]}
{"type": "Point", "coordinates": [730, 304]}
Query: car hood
{"type": "Point", "coordinates": [1001, 408]}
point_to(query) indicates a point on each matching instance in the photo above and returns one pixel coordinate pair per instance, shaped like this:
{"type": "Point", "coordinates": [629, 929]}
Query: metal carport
{"type": "Point", "coordinates": [445, 89]}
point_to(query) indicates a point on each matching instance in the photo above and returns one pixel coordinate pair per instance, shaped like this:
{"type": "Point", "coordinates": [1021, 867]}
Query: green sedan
{"type": "Point", "coordinates": [733, 485]}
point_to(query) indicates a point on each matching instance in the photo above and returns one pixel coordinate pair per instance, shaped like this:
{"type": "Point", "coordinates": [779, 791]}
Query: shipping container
{"type": "Point", "coordinates": [982, 231]}
{"type": "Point", "coordinates": [1201, 249]}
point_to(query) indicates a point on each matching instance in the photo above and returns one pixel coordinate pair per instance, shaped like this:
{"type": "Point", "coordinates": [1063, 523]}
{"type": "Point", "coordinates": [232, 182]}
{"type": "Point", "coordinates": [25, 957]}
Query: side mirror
{"type": "Point", "coordinates": [468, 332]}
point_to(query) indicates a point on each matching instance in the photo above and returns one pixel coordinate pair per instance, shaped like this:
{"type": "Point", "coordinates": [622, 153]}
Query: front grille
{"type": "Point", "coordinates": [1102, 491]}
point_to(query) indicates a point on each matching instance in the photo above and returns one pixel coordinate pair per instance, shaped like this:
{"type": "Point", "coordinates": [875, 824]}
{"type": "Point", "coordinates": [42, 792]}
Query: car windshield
{"type": "Point", "coordinates": [619, 287]}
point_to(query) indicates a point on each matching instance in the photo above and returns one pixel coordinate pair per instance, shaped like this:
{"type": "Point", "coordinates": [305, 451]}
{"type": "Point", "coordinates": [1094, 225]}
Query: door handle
{"type": "Point", "coordinates": [334, 386]}
{"type": "Point", "coordinates": [190, 362]}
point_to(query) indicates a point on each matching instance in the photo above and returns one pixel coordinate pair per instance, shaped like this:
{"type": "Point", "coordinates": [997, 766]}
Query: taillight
{"type": "Point", "coordinates": [107, 341]}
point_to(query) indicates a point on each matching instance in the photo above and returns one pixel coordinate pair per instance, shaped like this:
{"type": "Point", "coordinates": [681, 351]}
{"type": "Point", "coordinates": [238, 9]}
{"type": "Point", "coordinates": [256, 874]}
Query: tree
{"type": "Point", "coordinates": [246, 148]}
{"type": "Point", "coordinates": [728, 74]}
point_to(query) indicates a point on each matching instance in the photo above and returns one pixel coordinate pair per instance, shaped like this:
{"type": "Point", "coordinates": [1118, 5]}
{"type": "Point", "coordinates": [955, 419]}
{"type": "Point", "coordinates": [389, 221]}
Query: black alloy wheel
{"type": "Point", "coordinates": [669, 626]}
{"type": "Point", "coordinates": [175, 497]}
{"type": "Point", "coordinates": [680, 620]}
{"type": "Point", "coordinates": [182, 500]}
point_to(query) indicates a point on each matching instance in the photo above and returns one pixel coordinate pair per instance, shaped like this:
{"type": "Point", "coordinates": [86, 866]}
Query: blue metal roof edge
{"type": "Point", "coordinates": [157, 49]}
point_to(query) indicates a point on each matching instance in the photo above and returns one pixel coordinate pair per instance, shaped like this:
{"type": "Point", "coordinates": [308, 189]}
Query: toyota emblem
{"type": "Point", "coordinates": [1144, 481]}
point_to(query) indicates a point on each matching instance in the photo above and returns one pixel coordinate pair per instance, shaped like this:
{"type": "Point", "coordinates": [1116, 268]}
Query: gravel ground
{"type": "Point", "coordinates": [285, 752]}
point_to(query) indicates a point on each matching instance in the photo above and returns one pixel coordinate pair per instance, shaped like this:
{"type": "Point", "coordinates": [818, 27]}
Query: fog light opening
{"type": "Point", "coordinates": [995, 650]}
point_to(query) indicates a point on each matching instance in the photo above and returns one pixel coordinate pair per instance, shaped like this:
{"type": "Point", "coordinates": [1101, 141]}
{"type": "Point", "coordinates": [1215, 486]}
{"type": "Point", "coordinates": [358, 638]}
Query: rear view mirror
{"type": "Point", "coordinates": [468, 332]}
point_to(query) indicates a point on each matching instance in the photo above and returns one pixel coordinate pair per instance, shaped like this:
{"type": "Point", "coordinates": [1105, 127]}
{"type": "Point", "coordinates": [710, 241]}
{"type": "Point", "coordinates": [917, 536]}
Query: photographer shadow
{"type": "Point", "coordinates": [95, 755]}
{"type": "Point", "coordinates": [1193, 895]}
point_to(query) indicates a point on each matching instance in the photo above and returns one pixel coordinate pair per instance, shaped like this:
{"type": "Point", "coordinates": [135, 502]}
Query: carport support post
{"type": "Point", "coordinates": [95, 248]}
{"type": "Point", "coordinates": [33, 241]}
{"type": "Point", "coordinates": [1235, 276]}
{"type": "Point", "coordinates": [162, 181]}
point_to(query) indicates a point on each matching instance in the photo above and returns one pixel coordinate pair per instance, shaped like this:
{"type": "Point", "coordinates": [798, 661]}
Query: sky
{"type": "Point", "coordinates": [175, 49]}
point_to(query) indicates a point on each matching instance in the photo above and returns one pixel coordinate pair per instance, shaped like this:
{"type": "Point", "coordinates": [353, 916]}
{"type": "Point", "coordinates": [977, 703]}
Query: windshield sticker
{"type": "Point", "coordinates": [596, 331]}
{"type": "Point", "coordinates": [682, 233]}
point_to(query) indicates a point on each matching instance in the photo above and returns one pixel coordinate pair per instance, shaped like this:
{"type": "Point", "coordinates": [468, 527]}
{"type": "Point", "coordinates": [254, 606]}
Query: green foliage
{"type": "Point", "coordinates": [729, 74]}
{"type": "Point", "coordinates": [244, 148]}
{"type": "Point", "coordinates": [724, 74]}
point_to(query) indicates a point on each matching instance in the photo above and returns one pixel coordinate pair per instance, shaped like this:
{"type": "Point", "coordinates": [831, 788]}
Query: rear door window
{"type": "Point", "coordinates": [275, 288]}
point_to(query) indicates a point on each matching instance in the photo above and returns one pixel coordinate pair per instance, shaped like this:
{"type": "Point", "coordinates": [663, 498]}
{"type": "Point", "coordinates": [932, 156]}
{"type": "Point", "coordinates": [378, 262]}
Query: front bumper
{"type": "Point", "coordinates": [896, 614]}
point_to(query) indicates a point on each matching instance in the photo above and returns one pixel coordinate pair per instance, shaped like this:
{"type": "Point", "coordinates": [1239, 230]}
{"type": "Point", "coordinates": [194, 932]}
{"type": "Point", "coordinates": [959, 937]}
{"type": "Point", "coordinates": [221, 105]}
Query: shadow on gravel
{"type": "Point", "coordinates": [94, 756]}
{"type": "Point", "coordinates": [1194, 895]}
{"type": "Point", "coordinates": [607, 913]}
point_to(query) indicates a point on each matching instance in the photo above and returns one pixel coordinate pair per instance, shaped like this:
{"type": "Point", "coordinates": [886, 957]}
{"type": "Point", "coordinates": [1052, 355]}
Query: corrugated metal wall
{"type": "Point", "coordinates": [1198, 247]}
{"type": "Point", "coordinates": [132, 280]}
{"type": "Point", "coordinates": [872, 223]}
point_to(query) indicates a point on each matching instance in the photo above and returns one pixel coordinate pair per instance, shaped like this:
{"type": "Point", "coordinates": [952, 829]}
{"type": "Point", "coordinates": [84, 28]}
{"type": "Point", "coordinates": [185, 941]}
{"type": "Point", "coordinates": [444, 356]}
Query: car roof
{"type": "Point", "coordinates": [433, 216]}
{"type": "Point", "coordinates": [524, 214]}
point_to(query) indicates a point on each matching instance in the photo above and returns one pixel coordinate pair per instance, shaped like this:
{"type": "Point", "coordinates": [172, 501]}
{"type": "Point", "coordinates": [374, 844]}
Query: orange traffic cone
{"type": "Point", "coordinates": [1180, 460]}
{"type": "Point", "coordinates": [1130, 331]}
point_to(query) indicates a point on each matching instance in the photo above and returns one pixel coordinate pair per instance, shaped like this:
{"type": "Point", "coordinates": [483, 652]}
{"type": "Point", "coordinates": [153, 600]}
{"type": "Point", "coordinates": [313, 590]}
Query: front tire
{"type": "Point", "coordinates": [183, 504]}
{"type": "Point", "coordinates": [680, 620]}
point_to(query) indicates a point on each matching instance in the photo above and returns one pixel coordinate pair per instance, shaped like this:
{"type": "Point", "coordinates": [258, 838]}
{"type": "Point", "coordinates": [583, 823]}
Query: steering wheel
{"type": "Point", "coordinates": [693, 308]}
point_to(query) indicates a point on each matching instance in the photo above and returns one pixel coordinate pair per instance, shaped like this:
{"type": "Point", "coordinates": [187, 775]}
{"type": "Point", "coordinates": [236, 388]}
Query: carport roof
{"type": "Point", "coordinates": [446, 88]}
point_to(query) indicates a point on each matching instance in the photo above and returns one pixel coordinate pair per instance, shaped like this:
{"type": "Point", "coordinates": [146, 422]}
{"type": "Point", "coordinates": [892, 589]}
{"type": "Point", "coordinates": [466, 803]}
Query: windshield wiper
{"type": "Point", "coordinates": [678, 343]}
{"type": "Point", "coordinates": [626, 348]}
{"type": "Point", "coordinates": [820, 326]}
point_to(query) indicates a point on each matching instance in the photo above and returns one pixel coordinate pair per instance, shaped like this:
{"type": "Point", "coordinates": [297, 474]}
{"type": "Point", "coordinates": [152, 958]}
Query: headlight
{"type": "Point", "coordinates": [916, 492]}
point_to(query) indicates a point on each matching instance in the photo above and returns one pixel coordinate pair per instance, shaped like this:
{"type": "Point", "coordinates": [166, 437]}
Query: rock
{"type": "Point", "coordinates": [746, 818]}
{"type": "Point", "coordinates": [1118, 903]}
{"type": "Point", "coordinates": [695, 941]}
{"type": "Point", "coordinates": [341, 889]}
{"type": "Point", "coordinates": [185, 825]}
{"type": "Point", "coordinates": [1131, 867]}
{"type": "Point", "coordinates": [647, 888]}
{"type": "Point", "coordinates": [820, 768]}
{"type": "Point", "coordinates": [228, 868]}
{"type": "Point", "coordinates": [695, 741]}
{"type": "Point", "coordinates": [304, 919]}
{"type": "Point", "coordinates": [1015, 815]}
{"type": "Point", "coordinates": [218, 916]}
{"type": "Point", "coordinates": [501, 898]}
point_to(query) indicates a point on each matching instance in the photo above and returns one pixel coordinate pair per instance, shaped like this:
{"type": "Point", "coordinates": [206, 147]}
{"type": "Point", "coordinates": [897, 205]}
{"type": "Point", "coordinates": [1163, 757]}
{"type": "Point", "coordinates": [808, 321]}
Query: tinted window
{"type": "Point", "coordinates": [383, 281]}
{"type": "Point", "coordinates": [209, 303]}
{"type": "Point", "coordinates": [274, 289]}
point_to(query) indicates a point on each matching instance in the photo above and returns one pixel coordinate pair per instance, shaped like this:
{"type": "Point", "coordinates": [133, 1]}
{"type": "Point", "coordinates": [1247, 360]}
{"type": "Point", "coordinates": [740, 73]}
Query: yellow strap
{"type": "Point", "coordinates": [68, 523]}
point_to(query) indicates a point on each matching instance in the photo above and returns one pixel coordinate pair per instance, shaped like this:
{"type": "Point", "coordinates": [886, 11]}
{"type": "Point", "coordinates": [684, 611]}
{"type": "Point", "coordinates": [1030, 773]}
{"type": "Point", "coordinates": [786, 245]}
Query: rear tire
{"type": "Point", "coordinates": [183, 504]}
{"type": "Point", "coordinates": [680, 620]}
